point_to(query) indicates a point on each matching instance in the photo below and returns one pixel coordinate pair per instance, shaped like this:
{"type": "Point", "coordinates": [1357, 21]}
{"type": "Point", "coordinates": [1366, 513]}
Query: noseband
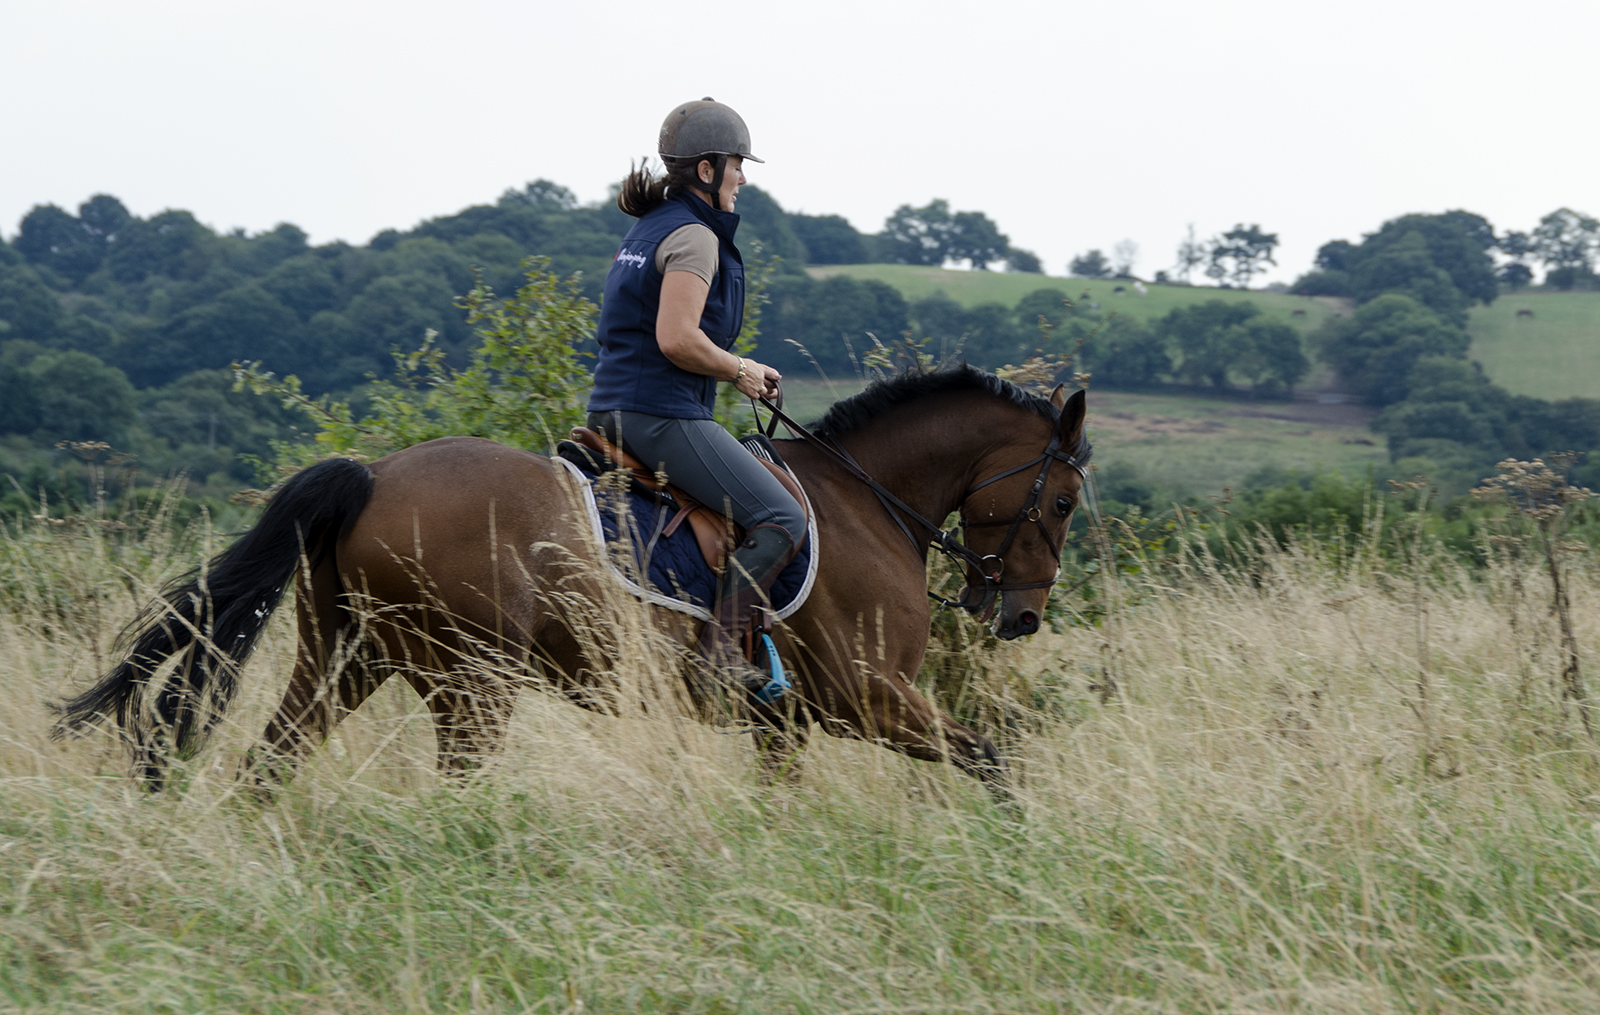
{"type": "Point", "coordinates": [991, 567]}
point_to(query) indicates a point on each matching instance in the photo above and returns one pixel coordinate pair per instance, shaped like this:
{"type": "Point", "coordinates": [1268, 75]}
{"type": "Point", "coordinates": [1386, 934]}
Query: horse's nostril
{"type": "Point", "coordinates": [1028, 622]}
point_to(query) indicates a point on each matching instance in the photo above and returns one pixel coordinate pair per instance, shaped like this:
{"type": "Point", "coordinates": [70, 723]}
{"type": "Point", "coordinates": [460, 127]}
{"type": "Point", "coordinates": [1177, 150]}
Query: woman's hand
{"type": "Point", "coordinates": [757, 380]}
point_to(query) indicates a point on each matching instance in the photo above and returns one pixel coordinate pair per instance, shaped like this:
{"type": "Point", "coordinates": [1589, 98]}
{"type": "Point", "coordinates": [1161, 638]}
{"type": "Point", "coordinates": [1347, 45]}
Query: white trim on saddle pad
{"type": "Point", "coordinates": [650, 595]}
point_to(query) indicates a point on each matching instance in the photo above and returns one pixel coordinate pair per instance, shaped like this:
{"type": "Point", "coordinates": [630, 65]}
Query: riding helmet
{"type": "Point", "coordinates": [707, 127]}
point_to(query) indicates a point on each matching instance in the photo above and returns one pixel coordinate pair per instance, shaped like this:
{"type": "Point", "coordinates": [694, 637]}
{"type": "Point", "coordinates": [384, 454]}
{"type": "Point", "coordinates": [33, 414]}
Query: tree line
{"type": "Point", "coordinates": [115, 327]}
{"type": "Point", "coordinates": [1230, 260]}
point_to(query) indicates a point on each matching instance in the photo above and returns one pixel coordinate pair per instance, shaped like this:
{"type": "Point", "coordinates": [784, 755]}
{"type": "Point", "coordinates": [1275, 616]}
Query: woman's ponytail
{"type": "Point", "coordinates": [643, 191]}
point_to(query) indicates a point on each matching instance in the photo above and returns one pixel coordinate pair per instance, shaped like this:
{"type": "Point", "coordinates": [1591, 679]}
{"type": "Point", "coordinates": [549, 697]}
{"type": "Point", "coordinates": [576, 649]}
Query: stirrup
{"type": "Point", "coordinates": [778, 682]}
{"type": "Point", "coordinates": [758, 635]}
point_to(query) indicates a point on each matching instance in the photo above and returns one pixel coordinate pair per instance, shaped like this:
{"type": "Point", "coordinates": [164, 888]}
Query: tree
{"type": "Point", "coordinates": [304, 284]}
{"type": "Point", "coordinates": [1323, 283]}
{"type": "Point", "coordinates": [1517, 246]}
{"type": "Point", "coordinates": [1275, 355]}
{"type": "Point", "coordinates": [1023, 261]}
{"type": "Point", "coordinates": [104, 217]}
{"type": "Point", "coordinates": [829, 239]}
{"type": "Point", "coordinates": [264, 251]}
{"type": "Point", "coordinates": [54, 238]}
{"type": "Point", "coordinates": [63, 395]}
{"type": "Point", "coordinates": [993, 338]}
{"type": "Point", "coordinates": [842, 306]}
{"type": "Point", "coordinates": [541, 194]}
{"type": "Point", "coordinates": [173, 244]}
{"type": "Point", "coordinates": [201, 415]}
{"type": "Point", "coordinates": [1406, 265]}
{"type": "Point", "coordinates": [1374, 349]}
{"type": "Point", "coordinates": [939, 317]}
{"type": "Point", "coordinates": [1050, 303]}
{"type": "Point", "coordinates": [1123, 257]}
{"type": "Point", "coordinates": [763, 221]}
{"type": "Point", "coordinates": [1191, 255]}
{"type": "Point", "coordinates": [973, 237]}
{"type": "Point", "coordinates": [1336, 255]}
{"type": "Point", "coordinates": [1090, 265]}
{"type": "Point", "coordinates": [1456, 242]}
{"type": "Point", "coordinates": [1567, 239]}
{"type": "Point", "coordinates": [919, 235]}
{"type": "Point", "coordinates": [1211, 337]}
{"type": "Point", "coordinates": [818, 314]}
{"type": "Point", "coordinates": [28, 308]}
{"type": "Point", "coordinates": [1120, 352]}
{"type": "Point", "coordinates": [243, 323]}
{"type": "Point", "coordinates": [395, 311]}
{"type": "Point", "coordinates": [1245, 252]}
{"type": "Point", "coordinates": [1516, 274]}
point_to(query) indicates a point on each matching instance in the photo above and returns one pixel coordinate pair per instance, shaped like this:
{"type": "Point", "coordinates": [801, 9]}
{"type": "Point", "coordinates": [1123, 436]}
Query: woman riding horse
{"type": "Point", "coordinates": [472, 570]}
{"type": "Point", "coordinates": [674, 305]}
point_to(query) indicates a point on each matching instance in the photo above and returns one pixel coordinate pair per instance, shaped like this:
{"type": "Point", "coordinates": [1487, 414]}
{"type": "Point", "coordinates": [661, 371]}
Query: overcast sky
{"type": "Point", "coordinates": [1073, 125]}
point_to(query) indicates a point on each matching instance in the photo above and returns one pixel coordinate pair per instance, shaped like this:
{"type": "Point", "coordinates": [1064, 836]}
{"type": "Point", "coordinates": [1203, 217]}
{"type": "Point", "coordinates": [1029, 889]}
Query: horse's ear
{"type": "Point", "coordinates": [1058, 397]}
{"type": "Point", "coordinates": [1070, 426]}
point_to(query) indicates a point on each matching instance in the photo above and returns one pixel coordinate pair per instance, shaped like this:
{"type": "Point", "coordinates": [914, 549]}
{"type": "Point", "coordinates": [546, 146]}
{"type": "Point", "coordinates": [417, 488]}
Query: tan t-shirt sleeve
{"type": "Point", "coordinates": [689, 248]}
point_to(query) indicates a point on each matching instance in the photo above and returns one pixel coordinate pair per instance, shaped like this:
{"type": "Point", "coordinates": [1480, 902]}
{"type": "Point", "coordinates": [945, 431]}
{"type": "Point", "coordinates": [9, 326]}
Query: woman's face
{"type": "Point", "coordinates": [732, 179]}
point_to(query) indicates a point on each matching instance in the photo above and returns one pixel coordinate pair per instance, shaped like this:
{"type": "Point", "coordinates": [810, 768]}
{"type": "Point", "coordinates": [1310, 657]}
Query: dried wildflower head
{"type": "Point", "coordinates": [1037, 372]}
{"type": "Point", "coordinates": [86, 450]}
{"type": "Point", "coordinates": [1537, 489]}
{"type": "Point", "coordinates": [1411, 485]}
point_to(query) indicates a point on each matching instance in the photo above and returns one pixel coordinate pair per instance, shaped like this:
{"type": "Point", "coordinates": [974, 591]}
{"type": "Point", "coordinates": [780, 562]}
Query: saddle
{"type": "Point", "coordinates": [716, 533]}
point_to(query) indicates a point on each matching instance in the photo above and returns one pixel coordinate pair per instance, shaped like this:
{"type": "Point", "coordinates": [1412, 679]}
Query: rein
{"type": "Point", "coordinates": [942, 540]}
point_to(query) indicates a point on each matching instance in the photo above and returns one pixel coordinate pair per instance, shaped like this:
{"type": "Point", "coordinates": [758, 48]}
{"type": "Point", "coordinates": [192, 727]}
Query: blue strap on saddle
{"type": "Point", "coordinates": [779, 684]}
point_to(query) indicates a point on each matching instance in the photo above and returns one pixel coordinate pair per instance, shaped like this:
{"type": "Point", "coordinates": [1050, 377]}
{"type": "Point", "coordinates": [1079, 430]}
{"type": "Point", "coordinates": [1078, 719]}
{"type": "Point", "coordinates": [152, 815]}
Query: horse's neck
{"type": "Point", "coordinates": [926, 458]}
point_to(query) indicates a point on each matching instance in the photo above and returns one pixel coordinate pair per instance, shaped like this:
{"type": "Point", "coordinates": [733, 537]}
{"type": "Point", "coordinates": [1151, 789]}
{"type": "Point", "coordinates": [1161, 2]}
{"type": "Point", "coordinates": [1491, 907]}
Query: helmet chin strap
{"type": "Point", "coordinates": [715, 191]}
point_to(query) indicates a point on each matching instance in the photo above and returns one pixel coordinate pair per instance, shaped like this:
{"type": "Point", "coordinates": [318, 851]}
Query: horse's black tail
{"type": "Point", "coordinates": [213, 616]}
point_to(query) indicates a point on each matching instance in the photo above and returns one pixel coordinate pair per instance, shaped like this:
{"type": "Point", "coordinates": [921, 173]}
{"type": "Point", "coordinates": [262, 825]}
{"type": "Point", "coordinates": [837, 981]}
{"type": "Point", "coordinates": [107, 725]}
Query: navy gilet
{"type": "Point", "coordinates": [633, 374]}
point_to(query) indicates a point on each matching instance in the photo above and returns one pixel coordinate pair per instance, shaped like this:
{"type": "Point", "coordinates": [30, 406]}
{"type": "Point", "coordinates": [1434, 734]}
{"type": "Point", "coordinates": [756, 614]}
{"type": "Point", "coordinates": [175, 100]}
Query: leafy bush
{"type": "Point", "coordinates": [1217, 339]}
{"type": "Point", "coordinates": [1323, 283]}
{"type": "Point", "coordinates": [1120, 352]}
{"type": "Point", "coordinates": [1374, 349]}
{"type": "Point", "coordinates": [524, 386]}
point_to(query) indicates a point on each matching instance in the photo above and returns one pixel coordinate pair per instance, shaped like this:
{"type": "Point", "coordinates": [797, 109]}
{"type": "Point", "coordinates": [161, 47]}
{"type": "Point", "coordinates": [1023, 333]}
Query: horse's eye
{"type": "Point", "coordinates": [1063, 506]}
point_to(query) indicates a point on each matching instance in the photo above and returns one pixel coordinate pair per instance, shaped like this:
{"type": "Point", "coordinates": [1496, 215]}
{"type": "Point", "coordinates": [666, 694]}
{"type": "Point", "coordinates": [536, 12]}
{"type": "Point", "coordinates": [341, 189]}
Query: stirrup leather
{"type": "Point", "coordinates": [758, 635]}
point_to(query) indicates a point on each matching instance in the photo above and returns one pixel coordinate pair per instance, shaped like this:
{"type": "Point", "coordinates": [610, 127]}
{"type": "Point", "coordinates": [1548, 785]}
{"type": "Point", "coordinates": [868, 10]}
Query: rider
{"type": "Point", "coordinates": [674, 303]}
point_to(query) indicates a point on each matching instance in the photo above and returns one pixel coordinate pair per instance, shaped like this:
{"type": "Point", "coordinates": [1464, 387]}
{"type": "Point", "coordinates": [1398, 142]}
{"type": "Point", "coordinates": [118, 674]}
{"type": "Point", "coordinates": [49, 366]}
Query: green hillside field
{"type": "Point", "coordinates": [1191, 444]}
{"type": "Point", "coordinates": [970, 288]}
{"type": "Point", "coordinates": [1555, 353]}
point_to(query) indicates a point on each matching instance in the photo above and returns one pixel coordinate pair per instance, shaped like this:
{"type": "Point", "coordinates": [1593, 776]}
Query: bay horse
{"type": "Point", "coordinates": [458, 564]}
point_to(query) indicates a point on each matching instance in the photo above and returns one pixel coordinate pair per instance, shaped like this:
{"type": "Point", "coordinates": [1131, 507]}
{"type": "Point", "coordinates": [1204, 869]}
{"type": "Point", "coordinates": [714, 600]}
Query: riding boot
{"type": "Point", "coordinates": [746, 584]}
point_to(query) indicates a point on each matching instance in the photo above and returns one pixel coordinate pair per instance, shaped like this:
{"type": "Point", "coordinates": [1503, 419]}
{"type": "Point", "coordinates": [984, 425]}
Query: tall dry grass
{"type": "Point", "coordinates": [1302, 786]}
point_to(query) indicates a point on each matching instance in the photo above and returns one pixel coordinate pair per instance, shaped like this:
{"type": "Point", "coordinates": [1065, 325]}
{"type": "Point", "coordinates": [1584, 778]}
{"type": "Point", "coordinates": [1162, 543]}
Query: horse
{"type": "Point", "coordinates": [462, 565]}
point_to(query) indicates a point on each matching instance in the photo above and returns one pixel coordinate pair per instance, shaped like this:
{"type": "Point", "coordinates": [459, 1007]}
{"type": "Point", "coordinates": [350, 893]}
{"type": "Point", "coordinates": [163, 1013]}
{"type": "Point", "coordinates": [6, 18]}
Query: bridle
{"type": "Point", "coordinates": [991, 567]}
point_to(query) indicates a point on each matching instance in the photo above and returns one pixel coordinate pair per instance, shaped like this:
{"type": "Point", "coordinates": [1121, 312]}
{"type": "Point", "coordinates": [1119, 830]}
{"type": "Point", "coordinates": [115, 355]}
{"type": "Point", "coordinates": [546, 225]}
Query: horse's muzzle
{"type": "Point", "coordinates": [1026, 623]}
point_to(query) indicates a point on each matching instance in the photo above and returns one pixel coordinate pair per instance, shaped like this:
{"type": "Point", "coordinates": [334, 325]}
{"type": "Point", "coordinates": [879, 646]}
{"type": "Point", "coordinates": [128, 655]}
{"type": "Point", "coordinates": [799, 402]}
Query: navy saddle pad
{"type": "Point", "coordinates": [674, 565]}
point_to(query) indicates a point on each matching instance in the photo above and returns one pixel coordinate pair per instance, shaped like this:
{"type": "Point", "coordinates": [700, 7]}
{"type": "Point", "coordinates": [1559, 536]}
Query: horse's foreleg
{"type": "Point", "coordinates": [780, 741]}
{"type": "Point", "coordinates": [891, 712]}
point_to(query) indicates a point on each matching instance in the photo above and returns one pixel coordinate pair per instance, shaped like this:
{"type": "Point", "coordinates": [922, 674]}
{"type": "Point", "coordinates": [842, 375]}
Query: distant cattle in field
{"type": "Point", "coordinates": [1120, 289]}
{"type": "Point", "coordinates": [1524, 312]}
{"type": "Point", "coordinates": [1298, 313]}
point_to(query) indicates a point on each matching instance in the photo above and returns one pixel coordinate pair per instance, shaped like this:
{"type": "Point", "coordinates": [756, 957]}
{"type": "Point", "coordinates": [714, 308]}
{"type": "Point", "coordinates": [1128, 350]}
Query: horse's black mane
{"type": "Point", "coordinates": [850, 414]}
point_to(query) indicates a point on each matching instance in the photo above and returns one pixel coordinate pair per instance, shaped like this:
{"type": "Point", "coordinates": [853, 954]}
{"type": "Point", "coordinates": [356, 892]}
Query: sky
{"type": "Point", "coordinates": [1072, 125]}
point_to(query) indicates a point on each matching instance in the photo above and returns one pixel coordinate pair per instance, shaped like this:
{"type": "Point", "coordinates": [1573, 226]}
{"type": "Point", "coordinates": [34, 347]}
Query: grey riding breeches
{"type": "Point", "coordinates": [707, 463]}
